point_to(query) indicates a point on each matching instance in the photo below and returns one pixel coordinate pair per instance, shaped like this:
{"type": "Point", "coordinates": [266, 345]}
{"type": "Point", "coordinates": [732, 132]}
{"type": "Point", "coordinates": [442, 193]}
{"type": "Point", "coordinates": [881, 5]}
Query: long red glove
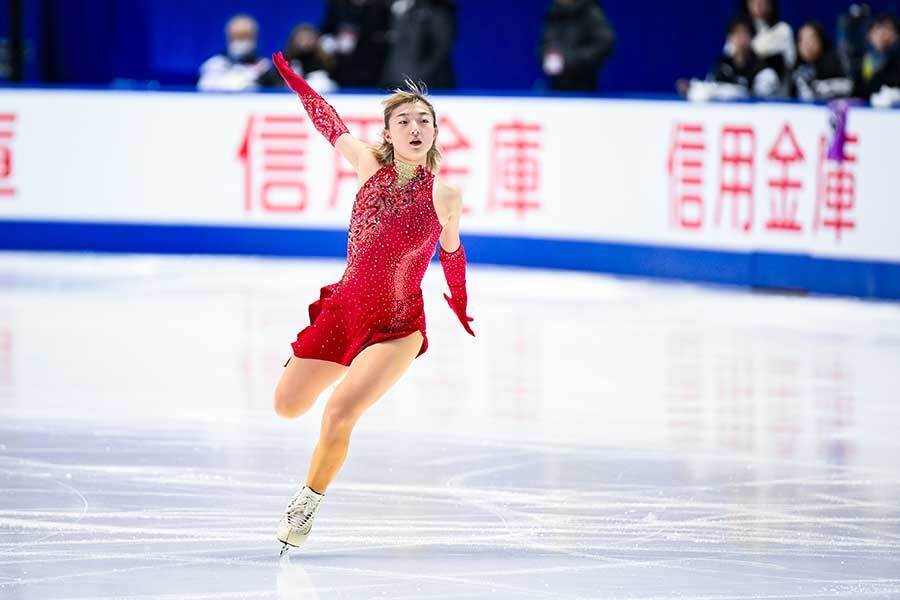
{"type": "Point", "coordinates": [322, 114]}
{"type": "Point", "coordinates": [454, 264]}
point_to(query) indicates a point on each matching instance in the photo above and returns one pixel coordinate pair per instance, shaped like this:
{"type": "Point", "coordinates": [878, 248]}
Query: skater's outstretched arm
{"type": "Point", "coordinates": [453, 261]}
{"type": "Point", "coordinates": [325, 119]}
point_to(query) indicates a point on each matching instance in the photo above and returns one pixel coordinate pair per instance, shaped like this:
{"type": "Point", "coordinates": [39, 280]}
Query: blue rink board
{"type": "Point", "coordinates": [805, 273]}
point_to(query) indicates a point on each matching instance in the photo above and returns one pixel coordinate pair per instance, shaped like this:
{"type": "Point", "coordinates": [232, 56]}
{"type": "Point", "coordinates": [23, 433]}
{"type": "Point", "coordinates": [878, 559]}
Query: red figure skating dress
{"type": "Point", "coordinates": [394, 230]}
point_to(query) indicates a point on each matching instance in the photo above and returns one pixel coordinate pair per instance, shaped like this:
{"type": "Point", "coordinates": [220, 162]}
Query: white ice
{"type": "Point", "coordinates": [599, 438]}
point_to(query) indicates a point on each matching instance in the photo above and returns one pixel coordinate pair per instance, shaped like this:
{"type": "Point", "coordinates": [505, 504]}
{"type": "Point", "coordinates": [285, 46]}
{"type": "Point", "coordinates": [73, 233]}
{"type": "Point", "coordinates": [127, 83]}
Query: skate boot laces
{"type": "Point", "coordinates": [301, 510]}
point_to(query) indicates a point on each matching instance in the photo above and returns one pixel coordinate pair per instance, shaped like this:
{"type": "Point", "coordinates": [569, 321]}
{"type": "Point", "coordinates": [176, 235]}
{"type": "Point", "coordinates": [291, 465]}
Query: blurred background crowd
{"type": "Point", "coordinates": [762, 56]}
{"type": "Point", "coordinates": [828, 49]}
{"type": "Point", "coordinates": [379, 43]}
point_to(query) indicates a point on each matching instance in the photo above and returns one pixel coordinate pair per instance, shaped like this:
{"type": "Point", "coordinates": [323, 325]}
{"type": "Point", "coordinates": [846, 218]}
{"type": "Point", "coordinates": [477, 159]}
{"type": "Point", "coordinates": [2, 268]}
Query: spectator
{"type": "Point", "coordinates": [819, 74]}
{"type": "Point", "coordinates": [851, 36]}
{"type": "Point", "coordinates": [739, 73]}
{"type": "Point", "coordinates": [355, 33]}
{"type": "Point", "coordinates": [577, 40]}
{"type": "Point", "coordinates": [238, 68]}
{"type": "Point", "coordinates": [881, 65]}
{"type": "Point", "coordinates": [305, 56]}
{"type": "Point", "coordinates": [773, 39]}
{"type": "Point", "coordinates": [422, 33]}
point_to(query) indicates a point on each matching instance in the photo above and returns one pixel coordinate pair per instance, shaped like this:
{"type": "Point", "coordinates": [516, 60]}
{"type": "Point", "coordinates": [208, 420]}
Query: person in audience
{"type": "Point", "coordinates": [305, 56]}
{"type": "Point", "coordinates": [577, 40]}
{"type": "Point", "coordinates": [881, 65]}
{"type": "Point", "coordinates": [773, 39]}
{"type": "Point", "coordinates": [850, 32]}
{"type": "Point", "coordinates": [421, 36]}
{"type": "Point", "coordinates": [818, 74]}
{"type": "Point", "coordinates": [355, 34]}
{"type": "Point", "coordinates": [238, 68]}
{"type": "Point", "coordinates": [739, 72]}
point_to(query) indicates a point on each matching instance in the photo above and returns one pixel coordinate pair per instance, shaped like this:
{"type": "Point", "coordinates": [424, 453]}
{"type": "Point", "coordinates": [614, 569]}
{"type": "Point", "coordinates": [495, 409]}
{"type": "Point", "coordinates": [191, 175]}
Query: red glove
{"type": "Point", "coordinates": [322, 114]}
{"type": "Point", "coordinates": [454, 264]}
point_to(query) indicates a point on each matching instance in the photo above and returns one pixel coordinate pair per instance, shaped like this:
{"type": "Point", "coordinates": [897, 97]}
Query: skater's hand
{"type": "Point", "coordinates": [294, 81]}
{"type": "Point", "coordinates": [454, 265]}
{"type": "Point", "coordinates": [323, 116]}
{"type": "Point", "coordinates": [458, 304]}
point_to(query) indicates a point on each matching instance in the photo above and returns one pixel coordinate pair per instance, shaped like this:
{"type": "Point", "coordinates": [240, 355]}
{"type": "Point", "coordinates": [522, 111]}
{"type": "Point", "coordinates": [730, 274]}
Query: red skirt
{"type": "Point", "coordinates": [341, 325]}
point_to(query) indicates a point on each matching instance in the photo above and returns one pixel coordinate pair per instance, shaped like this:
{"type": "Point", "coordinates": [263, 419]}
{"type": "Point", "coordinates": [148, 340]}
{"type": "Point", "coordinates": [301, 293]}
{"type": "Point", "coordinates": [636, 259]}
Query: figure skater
{"type": "Point", "coordinates": [369, 326]}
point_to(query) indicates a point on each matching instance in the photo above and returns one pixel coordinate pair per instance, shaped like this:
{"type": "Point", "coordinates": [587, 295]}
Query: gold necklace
{"type": "Point", "coordinates": [405, 172]}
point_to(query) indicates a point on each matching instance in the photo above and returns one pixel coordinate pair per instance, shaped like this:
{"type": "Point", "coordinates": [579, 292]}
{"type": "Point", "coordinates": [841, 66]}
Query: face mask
{"type": "Point", "coordinates": [238, 49]}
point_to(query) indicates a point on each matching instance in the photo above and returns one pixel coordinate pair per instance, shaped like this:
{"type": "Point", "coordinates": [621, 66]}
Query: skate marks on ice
{"type": "Point", "coordinates": [610, 439]}
{"type": "Point", "coordinates": [522, 520]}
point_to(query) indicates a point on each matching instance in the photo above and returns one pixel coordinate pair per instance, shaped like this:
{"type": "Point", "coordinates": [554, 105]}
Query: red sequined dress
{"type": "Point", "coordinates": [393, 234]}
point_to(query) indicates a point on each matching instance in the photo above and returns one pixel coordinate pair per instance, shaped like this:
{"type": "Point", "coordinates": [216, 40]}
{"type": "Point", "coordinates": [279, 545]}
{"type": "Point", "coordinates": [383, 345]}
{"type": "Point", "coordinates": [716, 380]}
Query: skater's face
{"type": "Point", "coordinates": [412, 131]}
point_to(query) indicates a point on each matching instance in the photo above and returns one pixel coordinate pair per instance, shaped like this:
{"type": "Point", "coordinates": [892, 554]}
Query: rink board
{"type": "Point", "coordinates": [731, 193]}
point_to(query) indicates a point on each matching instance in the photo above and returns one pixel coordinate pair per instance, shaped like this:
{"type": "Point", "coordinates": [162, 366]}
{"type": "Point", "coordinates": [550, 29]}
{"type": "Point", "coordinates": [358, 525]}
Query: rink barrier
{"type": "Point", "coordinates": [766, 270]}
{"type": "Point", "coordinates": [731, 193]}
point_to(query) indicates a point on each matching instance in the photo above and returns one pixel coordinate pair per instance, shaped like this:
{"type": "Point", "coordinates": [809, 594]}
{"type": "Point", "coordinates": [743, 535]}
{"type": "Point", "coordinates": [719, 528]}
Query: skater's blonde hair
{"type": "Point", "coordinates": [414, 92]}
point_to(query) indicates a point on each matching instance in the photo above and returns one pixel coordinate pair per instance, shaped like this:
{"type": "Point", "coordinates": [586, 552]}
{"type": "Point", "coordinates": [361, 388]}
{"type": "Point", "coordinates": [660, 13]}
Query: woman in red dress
{"type": "Point", "coordinates": [369, 326]}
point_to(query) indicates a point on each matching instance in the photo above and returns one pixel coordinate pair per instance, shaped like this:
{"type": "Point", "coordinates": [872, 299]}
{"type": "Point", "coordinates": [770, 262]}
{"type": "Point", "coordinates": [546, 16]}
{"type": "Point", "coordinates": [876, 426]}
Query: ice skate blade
{"type": "Point", "coordinates": [286, 536]}
{"type": "Point", "coordinates": [288, 546]}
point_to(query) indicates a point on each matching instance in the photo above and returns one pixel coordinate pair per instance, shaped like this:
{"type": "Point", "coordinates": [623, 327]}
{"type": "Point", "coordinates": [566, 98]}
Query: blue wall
{"type": "Point", "coordinates": [96, 41]}
{"type": "Point", "coordinates": [795, 272]}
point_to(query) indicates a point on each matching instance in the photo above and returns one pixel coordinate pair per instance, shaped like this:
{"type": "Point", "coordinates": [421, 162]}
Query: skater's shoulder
{"type": "Point", "coordinates": [447, 192]}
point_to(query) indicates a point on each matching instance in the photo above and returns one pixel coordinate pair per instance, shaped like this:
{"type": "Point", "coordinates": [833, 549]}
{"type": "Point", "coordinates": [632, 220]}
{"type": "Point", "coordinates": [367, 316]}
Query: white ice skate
{"type": "Point", "coordinates": [297, 520]}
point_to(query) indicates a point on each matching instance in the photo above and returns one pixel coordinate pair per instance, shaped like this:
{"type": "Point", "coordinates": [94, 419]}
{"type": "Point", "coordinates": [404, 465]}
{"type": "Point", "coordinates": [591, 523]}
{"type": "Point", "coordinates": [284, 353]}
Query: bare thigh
{"type": "Point", "coordinates": [302, 380]}
{"type": "Point", "coordinates": [371, 374]}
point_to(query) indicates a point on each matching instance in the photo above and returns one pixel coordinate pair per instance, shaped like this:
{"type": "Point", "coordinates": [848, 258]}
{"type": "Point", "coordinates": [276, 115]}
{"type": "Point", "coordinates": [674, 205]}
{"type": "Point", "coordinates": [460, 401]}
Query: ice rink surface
{"type": "Point", "coordinates": [600, 438]}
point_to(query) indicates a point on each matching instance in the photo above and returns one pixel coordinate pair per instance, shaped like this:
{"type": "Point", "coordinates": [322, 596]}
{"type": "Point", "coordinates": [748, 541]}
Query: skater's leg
{"type": "Point", "coordinates": [302, 380]}
{"type": "Point", "coordinates": [372, 373]}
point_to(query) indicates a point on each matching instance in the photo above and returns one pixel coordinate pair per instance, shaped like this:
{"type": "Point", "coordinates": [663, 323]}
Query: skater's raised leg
{"type": "Point", "coordinates": [301, 383]}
